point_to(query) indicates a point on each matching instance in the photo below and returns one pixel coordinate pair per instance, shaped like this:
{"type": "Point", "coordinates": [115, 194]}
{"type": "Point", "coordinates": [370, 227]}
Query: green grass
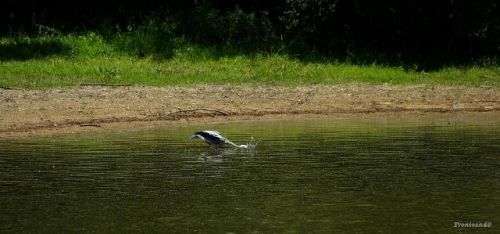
{"type": "Point", "coordinates": [55, 61]}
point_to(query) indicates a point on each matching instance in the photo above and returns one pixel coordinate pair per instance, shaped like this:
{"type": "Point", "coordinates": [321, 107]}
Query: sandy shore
{"type": "Point", "coordinates": [96, 108]}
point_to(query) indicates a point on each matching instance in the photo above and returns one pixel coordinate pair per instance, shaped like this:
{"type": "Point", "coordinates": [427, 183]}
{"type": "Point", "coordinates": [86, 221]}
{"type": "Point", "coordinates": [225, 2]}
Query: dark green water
{"type": "Point", "coordinates": [343, 175]}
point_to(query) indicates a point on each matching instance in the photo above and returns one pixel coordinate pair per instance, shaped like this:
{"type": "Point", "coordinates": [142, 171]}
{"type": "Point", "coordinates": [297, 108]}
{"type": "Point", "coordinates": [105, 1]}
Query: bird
{"type": "Point", "coordinates": [215, 138]}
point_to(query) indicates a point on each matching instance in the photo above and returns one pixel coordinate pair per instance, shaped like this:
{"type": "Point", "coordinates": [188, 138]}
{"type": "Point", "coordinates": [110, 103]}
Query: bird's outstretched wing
{"type": "Point", "coordinates": [212, 137]}
{"type": "Point", "coordinates": [213, 133]}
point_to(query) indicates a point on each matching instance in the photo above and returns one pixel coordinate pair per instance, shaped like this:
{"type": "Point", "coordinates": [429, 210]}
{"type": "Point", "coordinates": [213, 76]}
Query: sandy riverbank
{"type": "Point", "coordinates": [91, 108]}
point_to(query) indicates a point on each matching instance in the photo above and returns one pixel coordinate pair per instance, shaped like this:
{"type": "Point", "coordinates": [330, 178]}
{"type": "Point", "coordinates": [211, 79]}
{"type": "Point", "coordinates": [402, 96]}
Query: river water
{"type": "Point", "coordinates": [338, 175]}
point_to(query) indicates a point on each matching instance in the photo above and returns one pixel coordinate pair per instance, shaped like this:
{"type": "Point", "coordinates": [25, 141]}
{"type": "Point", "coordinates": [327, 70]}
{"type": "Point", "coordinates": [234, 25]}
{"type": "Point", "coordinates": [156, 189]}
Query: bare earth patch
{"type": "Point", "coordinates": [86, 108]}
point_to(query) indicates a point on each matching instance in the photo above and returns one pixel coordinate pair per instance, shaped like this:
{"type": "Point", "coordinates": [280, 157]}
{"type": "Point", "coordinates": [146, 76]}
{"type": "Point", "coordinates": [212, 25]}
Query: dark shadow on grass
{"type": "Point", "coordinates": [24, 49]}
{"type": "Point", "coordinates": [420, 63]}
{"type": "Point", "coordinates": [424, 62]}
{"type": "Point", "coordinates": [158, 43]}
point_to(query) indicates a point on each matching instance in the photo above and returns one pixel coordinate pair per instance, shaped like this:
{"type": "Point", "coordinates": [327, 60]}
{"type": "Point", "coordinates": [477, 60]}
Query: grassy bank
{"type": "Point", "coordinates": [54, 61]}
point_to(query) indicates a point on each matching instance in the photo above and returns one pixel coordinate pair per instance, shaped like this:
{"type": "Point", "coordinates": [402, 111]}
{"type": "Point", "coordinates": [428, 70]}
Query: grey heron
{"type": "Point", "coordinates": [215, 138]}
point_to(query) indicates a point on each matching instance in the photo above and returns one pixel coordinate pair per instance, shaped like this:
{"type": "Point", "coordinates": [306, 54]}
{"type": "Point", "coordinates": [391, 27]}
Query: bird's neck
{"type": "Point", "coordinates": [232, 144]}
{"type": "Point", "coordinates": [236, 146]}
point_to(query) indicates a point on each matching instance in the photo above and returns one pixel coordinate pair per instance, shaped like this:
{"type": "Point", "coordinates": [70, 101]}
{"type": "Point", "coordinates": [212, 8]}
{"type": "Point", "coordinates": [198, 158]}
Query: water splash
{"type": "Point", "coordinates": [252, 144]}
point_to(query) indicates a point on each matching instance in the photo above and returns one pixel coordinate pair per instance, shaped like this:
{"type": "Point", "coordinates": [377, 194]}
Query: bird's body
{"type": "Point", "coordinates": [210, 137]}
{"type": "Point", "coordinates": [215, 138]}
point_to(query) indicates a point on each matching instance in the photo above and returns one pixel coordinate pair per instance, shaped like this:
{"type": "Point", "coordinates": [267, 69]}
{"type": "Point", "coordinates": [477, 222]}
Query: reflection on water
{"type": "Point", "coordinates": [340, 175]}
{"type": "Point", "coordinates": [213, 153]}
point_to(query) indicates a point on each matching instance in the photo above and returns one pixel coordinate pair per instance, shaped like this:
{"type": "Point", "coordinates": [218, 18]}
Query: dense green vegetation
{"type": "Point", "coordinates": [287, 42]}
{"type": "Point", "coordinates": [53, 61]}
